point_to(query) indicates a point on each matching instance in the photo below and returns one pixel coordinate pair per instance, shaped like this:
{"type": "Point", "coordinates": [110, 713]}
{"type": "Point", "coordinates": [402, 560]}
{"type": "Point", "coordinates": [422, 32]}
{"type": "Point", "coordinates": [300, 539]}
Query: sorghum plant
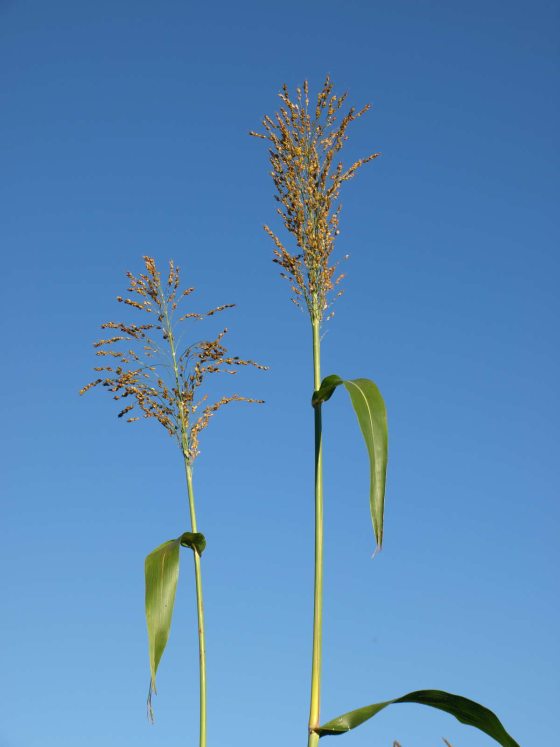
{"type": "Point", "coordinates": [305, 142]}
{"type": "Point", "coordinates": [148, 369]}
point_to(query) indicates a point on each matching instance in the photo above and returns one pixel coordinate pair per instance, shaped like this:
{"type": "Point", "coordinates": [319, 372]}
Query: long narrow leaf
{"type": "Point", "coordinates": [372, 417]}
{"type": "Point", "coordinates": [162, 572]}
{"type": "Point", "coordinates": [466, 711]}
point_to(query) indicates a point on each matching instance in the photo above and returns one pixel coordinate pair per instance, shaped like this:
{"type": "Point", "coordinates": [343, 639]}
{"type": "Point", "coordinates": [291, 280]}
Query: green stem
{"type": "Point", "coordinates": [314, 711]}
{"type": "Point", "coordinates": [188, 472]}
{"type": "Point", "coordinates": [200, 612]}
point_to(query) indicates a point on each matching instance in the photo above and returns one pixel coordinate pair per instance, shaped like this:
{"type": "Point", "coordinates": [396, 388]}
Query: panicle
{"type": "Point", "coordinates": [208, 412]}
{"type": "Point", "coordinates": [152, 372]}
{"type": "Point", "coordinates": [304, 145]}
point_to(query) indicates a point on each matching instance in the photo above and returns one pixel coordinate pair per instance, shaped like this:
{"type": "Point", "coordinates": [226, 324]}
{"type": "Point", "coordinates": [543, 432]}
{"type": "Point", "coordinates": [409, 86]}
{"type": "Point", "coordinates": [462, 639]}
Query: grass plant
{"type": "Point", "coordinates": [305, 140]}
{"type": "Point", "coordinates": [149, 368]}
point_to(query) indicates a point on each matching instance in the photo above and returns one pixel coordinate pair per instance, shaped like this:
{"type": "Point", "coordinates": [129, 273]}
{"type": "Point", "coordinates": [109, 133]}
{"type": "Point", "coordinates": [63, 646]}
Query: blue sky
{"type": "Point", "coordinates": [124, 132]}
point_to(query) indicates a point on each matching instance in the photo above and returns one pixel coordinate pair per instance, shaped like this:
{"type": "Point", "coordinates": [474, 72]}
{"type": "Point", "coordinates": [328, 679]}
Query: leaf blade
{"type": "Point", "coordinates": [371, 412]}
{"type": "Point", "coordinates": [161, 569]}
{"type": "Point", "coordinates": [372, 417]}
{"type": "Point", "coordinates": [466, 711]}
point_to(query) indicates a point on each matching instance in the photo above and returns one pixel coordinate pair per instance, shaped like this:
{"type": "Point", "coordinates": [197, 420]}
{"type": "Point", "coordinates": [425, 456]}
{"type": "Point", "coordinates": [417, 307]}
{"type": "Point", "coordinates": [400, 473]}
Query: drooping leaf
{"type": "Point", "coordinates": [372, 417]}
{"type": "Point", "coordinates": [162, 572]}
{"type": "Point", "coordinates": [194, 540]}
{"type": "Point", "coordinates": [466, 711]}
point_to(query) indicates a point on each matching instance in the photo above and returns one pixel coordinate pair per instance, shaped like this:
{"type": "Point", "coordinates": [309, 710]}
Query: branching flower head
{"type": "Point", "coordinates": [308, 176]}
{"type": "Point", "coordinates": [152, 372]}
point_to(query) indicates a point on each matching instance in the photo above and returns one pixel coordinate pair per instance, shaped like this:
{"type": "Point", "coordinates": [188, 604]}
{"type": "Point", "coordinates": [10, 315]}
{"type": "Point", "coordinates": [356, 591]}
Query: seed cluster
{"type": "Point", "coordinates": [147, 368]}
{"type": "Point", "coordinates": [304, 147]}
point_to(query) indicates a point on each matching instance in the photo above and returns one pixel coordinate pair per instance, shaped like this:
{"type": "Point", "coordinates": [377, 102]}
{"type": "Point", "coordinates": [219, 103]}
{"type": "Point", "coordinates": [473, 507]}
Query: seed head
{"type": "Point", "coordinates": [153, 371]}
{"type": "Point", "coordinates": [305, 143]}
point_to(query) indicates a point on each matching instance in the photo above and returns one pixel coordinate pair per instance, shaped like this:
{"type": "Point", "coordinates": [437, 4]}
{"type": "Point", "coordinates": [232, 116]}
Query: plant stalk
{"type": "Point", "coordinates": [314, 711]}
{"type": "Point", "coordinates": [197, 570]}
{"type": "Point", "coordinates": [200, 611]}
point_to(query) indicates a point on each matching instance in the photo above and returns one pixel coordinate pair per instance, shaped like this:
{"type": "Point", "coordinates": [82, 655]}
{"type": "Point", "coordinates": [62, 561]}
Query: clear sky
{"type": "Point", "coordinates": [123, 131]}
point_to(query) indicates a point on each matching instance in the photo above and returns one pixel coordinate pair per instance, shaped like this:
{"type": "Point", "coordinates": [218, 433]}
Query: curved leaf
{"type": "Point", "coordinates": [326, 390]}
{"type": "Point", "coordinates": [194, 540]}
{"type": "Point", "coordinates": [161, 569]}
{"type": "Point", "coordinates": [162, 572]}
{"type": "Point", "coordinates": [466, 711]}
{"type": "Point", "coordinates": [372, 416]}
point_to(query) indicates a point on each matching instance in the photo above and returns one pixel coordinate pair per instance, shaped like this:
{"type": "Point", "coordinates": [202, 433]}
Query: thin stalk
{"type": "Point", "coordinates": [200, 612]}
{"type": "Point", "coordinates": [190, 489]}
{"type": "Point", "coordinates": [314, 711]}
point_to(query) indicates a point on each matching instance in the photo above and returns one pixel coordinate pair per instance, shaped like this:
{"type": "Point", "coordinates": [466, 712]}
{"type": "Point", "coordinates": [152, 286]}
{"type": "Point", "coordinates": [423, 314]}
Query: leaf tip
{"type": "Point", "coordinates": [149, 708]}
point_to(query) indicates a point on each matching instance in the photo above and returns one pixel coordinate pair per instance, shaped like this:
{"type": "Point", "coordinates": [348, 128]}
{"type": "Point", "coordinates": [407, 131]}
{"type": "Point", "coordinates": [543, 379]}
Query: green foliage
{"type": "Point", "coordinates": [194, 540]}
{"type": "Point", "coordinates": [307, 171]}
{"type": "Point", "coordinates": [466, 711]}
{"type": "Point", "coordinates": [162, 573]}
{"type": "Point", "coordinates": [372, 416]}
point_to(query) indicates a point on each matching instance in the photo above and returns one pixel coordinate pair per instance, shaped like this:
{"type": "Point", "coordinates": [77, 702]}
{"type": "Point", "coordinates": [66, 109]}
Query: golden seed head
{"type": "Point", "coordinates": [305, 143]}
{"type": "Point", "coordinates": [161, 377]}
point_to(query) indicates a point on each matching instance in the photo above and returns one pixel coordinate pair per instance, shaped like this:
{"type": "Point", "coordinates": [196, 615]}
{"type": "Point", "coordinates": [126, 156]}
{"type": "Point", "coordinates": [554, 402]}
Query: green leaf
{"type": "Point", "coordinates": [194, 540]}
{"type": "Point", "coordinates": [466, 711]}
{"type": "Point", "coordinates": [372, 416]}
{"type": "Point", "coordinates": [326, 390]}
{"type": "Point", "coordinates": [162, 572]}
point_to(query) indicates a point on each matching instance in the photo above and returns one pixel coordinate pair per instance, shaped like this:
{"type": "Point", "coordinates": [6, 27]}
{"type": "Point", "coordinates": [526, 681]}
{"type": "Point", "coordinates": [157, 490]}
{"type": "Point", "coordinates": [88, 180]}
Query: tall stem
{"type": "Point", "coordinates": [188, 471]}
{"type": "Point", "coordinates": [200, 612]}
{"type": "Point", "coordinates": [314, 711]}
